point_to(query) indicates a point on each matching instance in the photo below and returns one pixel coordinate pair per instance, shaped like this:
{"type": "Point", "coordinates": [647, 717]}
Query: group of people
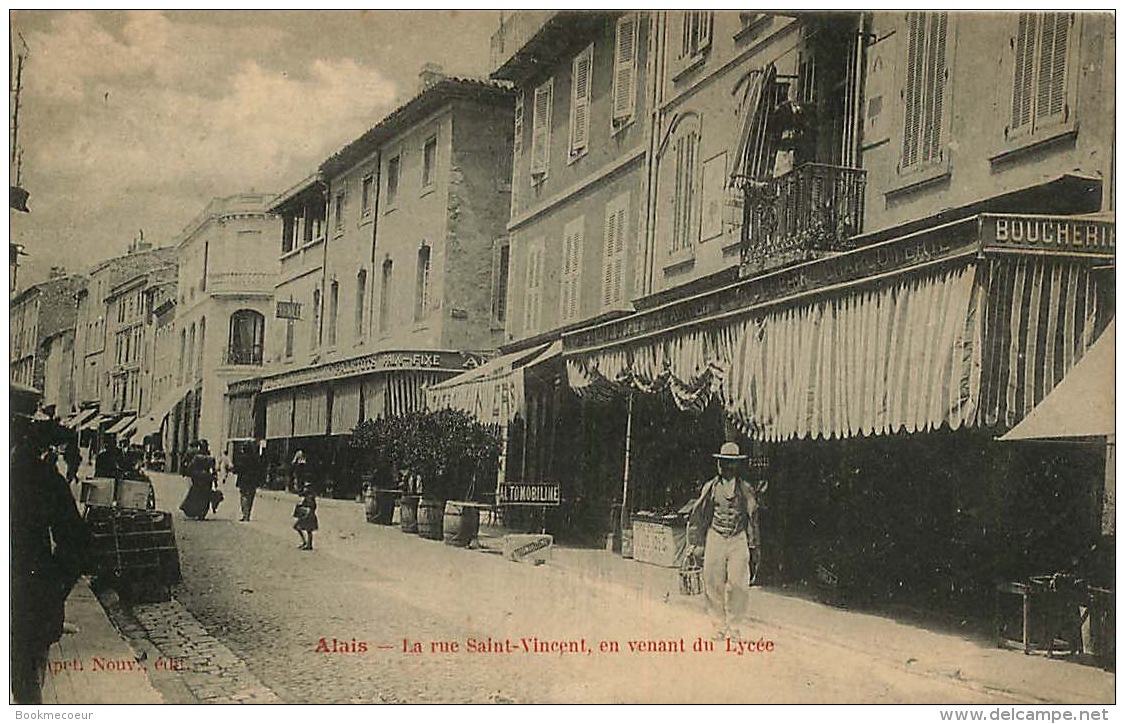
{"type": "Point", "coordinates": [205, 494]}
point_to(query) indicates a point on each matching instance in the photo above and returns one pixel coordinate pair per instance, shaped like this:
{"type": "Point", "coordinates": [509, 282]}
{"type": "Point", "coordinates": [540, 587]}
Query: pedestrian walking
{"type": "Point", "coordinates": [250, 474]}
{"type": "Point", "coordinates": [47, 545]}
{"type": "Point", "coordinates": [226, 467]}
{"type": "Point", "coordinates": [723, 525]}
{"type": "Point", "coordinates": [201, 470]}
{"type": "Point", "coordinates": [300, 465]}
{"type": "Point", "coordinates": [305, 514]}
{"type": "Point", "coordinates": [72, 456]}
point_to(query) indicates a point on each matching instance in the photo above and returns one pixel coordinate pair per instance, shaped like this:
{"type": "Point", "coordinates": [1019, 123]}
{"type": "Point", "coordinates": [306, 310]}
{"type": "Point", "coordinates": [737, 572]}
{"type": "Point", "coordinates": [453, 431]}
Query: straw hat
{"type": "Point", "coordinates": [729, 451]}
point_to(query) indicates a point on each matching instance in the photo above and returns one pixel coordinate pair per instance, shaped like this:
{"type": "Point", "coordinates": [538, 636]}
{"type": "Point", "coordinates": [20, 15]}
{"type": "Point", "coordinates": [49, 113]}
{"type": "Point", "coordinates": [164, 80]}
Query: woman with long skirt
{"type": "Point", "coordinates": [201, 470]}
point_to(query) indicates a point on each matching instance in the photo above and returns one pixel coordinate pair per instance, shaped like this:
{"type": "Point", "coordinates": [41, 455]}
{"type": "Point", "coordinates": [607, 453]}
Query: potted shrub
{"type": "Point", "coordinates": [371, 442]}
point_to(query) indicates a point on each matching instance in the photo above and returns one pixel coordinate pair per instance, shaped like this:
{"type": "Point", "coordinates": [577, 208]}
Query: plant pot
{"type": "Point", "coordinates": [408, 513]}
{"type": "Point", "coordinates": [430, 514]}
{"type": "Point", "coordinates": [462, 523]}
{"type": "Point", "coordinates": [370, 508]}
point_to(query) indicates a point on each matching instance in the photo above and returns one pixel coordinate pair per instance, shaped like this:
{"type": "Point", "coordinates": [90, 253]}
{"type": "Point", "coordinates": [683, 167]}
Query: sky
{"type": "Point", "coordinates": [134, 120]}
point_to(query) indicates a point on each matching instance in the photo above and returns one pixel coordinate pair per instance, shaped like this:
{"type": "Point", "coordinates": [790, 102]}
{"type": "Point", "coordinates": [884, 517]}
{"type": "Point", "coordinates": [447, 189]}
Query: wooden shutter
{"type": "Point", "coordinates": [580, 101]}
{"type": "Point", "coordinates": [570, 300]}
{"type": "Point", "coordinates": [1050, 92]}
{"type": "Point", "coordinates": [532, 285]}
{"type": "Point", "coordinates": [625, 69]}
{"type": "Point", "coordinates": [912, 94]}
{"type": "Point", "coordinates": [541, 129]}
{"type": "Point", "coordinates": [1024, 44]}
{"type": "Point", "coordinates": [517, 132]}
{"type": "Point", "coordinates": [613, 263]}
{"type": "Point", "coordinates": [935, 87]}
{"type": "Point", "coordinates": [923, 93]}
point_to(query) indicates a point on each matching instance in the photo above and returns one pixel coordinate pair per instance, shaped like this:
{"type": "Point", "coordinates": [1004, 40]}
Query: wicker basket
{"type": "Point", "coordinates": [691, 576]}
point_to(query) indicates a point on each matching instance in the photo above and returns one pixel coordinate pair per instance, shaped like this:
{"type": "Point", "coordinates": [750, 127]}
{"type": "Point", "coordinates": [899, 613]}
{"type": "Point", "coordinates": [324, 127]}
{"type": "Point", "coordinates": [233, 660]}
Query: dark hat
{"type": "Point", "coordinates": [23, 400]}
{"type": "Point", "coordinates": [729, 451]}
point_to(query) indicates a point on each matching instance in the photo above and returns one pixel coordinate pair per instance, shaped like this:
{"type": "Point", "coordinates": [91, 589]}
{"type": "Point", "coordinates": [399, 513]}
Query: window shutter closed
{"type": "Point", "coordinates": [580, 101]}
{"type": "Point", "coordinates": [924, 91]}
{"type": "Point", "coordinates": [613, 269]}
{"type": "Point", "coordinates": [625, 69]}
{"type": "Point", "coordinates": [1024, 66]}
{"type": "Point", "coordinates": [570, 299]}
{"type": "Point", "coordinates": [534, 272]}
{"type": "Point", "coordinates": [541, 129]}
{"type": "Point", "coordinates": [517, 133]}
{"type": "Point", "coordinates": [1051, 90]}
{"type": "Point", "coordinates": [935, 80]}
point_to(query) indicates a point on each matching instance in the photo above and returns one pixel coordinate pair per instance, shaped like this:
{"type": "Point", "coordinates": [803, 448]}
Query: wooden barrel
{"type": "Point", "coordinates": [408, 513]}
{"type": "Point", "coordinates": [430, 518]}
{"type": "Point", "coordinates": [385, 506]}
{"type": "Point", "coordinates": [370, 511]}
{"type": "Point", "coordinates": [462, 523]}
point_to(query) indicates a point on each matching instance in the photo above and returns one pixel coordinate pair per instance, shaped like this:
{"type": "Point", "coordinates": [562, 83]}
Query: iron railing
{"type": "Point", "coordinates": [251, 355]}
{"type": "Point", "coordinates": [813, 209]}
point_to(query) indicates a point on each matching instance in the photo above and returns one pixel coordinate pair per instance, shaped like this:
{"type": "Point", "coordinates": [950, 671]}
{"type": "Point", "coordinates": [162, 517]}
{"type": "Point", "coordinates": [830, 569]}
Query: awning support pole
{"type": "Point", "coordinates": [625, 473]}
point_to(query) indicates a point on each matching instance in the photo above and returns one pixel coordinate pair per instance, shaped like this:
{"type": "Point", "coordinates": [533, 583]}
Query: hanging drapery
{"type": "Point", "coordinates": [279, 416]}
{"type": "Point", "coordinates": [345, 406]}
{"type": "Point", "coordinates": [494, 392]}
{"type": "Point", "coordinates": [406, 390]}
{"type": "Point", "coordinates": [241, 417]}
{"type": "Point", "coordinates": [310, 412]}
{"type": "Point", "coordinates": [374, 397]}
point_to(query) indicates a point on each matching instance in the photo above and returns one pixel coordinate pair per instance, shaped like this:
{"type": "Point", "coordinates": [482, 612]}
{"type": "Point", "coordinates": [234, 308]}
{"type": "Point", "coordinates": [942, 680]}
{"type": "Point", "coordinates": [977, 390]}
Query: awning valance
{"type": "Point", "coordinates": [152, 420]}
{"type": "Point", "coordinates": [493, 392]}
{"type": "Point", "coordinates": [1082, 405]}
{"type": "Point", "coordinates": [120, 425]}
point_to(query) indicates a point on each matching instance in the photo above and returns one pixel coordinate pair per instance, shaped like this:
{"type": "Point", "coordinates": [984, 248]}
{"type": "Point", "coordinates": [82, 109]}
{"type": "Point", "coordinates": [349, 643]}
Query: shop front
{"type": "Point", "coordinates": [875, 381]}
{"type": "Point", "coordinates": [315, 409]}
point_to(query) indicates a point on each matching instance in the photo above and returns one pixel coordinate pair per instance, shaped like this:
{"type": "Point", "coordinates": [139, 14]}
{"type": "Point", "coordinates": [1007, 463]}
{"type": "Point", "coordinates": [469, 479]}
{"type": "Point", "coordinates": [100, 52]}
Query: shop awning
{"type": "Point", "coordinates": [120, 425]}
{"type": "Point", "coordinates": [152, 420]}
{"type": "Point", "coordinates": [493, 392]}
{"type": "Point", "coordinates": [1082, 405]}
{"type": "Point", "coordinates": [79, 418]}
{"type": "Point", "coordinates": [95, 422]}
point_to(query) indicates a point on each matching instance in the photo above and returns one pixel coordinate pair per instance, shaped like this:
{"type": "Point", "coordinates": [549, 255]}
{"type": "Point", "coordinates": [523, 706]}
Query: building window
{"type": "Point", "coordinates": [422, 284]}
{"type": "Point", "coordinates": [338, 210]}
{"type": "Point", "coordinates": [684, 200]}
{"type": "Point", "coordinates": [570, 297]}
{"type": "Point", "coordinates": [333, 311]}
{"type": "Point", "coordinates": [541, 131]}
{"type": "Point", "coordinates": [314, 339]}
{"type": "Point", "coordinates": [360, 301]}
{"type": "Point", "coordinates": [288, 234]}
{"type": "Point", "coordinates": [924, 94]}
{"type": "Point", "coordinates": [247, 337]}
{"type": "Point", "coordinates": [625, 70]}
{"type": "Point", "coordinates": [581, 70]}
{"type": "Point", "coordinates": [613, 259]}
{"type": "Point", "coordinates": [500, 256]}
{"type": "Point", "coordinates": [393, 170]}
{"type": "Point", "coordinates": [533, 287]}
{"type": "Point", "coordinates": [367, 195]}
{"type": "Point", "coordinates": [191, 352]}
{"type": "Point", "coordinates": [429, 161]}
{"type": "Point", "coordinates": [1042, 69]}
{"type": "Point", "coordinates": [183, 353]}
{"type": "Point", "coordinates": [289, 333]}
{"type": "Point", "coordinates": [202, 335]}
{"type": "Point", "coordinates": [696, 36]}
{"type": "Point", "coordinates": [385, 296]}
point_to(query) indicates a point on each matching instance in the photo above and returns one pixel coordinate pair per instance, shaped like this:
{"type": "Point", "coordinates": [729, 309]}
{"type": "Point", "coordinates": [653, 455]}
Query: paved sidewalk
{"type": "Point", "coordinates": [95, 665]}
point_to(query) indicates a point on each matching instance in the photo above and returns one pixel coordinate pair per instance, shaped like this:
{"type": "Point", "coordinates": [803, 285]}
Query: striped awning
{"type": "Point", "coordinates": [978, 343]}
{"type": "Point", "coordinates": [493, 392]}
{"type": "Point", "coordinates": [95, 422]}
{"type": "Point", "coordinates": [119, 426]}
{"type": "Point", "coordinates": [79, 418]}
{"type": "Point", "coordinates": [406, 390]}
{"type": "Point", "coordinates": [153, 420]}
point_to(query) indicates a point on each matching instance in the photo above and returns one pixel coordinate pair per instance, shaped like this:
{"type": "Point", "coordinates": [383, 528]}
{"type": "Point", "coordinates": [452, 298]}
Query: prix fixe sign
{"type": "Point", "coordinates": [1048, 233]}
{"type": "Point", "coordinates": [512, 493]}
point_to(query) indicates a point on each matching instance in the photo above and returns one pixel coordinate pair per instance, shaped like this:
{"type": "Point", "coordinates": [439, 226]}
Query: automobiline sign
{"type": "Point", "coordinates": [529, 494]}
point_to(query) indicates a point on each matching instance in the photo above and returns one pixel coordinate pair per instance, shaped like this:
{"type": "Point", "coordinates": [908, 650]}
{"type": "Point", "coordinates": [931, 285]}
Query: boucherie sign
{"type": "Point", "coordinates": [1049, 233]}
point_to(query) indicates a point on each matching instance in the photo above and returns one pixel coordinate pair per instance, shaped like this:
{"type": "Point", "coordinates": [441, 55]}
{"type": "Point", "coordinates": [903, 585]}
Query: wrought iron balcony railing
{"type": "Point", "coordinates": [244, 355]}
{"type": "Point", "coordinates": [813, 209]}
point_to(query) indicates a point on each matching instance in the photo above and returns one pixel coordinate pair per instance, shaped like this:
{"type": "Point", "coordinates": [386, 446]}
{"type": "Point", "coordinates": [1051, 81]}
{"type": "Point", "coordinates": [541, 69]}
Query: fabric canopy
{"type": "Point", "coordinates": [1082, 405]}
{"type": "Point", "coordinates": [79, 418]}
{"type": "Point", "coordinates": [94, 423]}
{"type": "Point", "coordinates": [152, 420]}
{"type": "Point", "coordinates": [976, 344]}
{"type": "Point", "coordinates": [493, 392]}
{"type": "Point", "coordinates": [121, 424]}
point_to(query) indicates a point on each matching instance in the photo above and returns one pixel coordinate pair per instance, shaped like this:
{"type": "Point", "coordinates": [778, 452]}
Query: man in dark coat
{"type": "Point", "coordinates": [47, 545]}
{"type": "Point", "coordinates": [251, 472]}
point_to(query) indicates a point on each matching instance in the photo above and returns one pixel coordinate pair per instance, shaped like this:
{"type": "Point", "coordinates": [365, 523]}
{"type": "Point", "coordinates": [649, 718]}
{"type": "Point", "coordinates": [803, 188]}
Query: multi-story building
{"type": "Point", "coordinates": [227, 271]}
{"type": "Point", "coordinates": [41, 317]}
{"type": "Point", "coordinates": [95, 345]}
{"type": "Point", "coordinates": [381, 292]}
{"type": "Point", "coordinates": [159, 364]}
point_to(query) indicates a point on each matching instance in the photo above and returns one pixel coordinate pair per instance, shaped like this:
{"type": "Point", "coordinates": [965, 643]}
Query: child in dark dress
{"type": "Point", "coordinates": [305, 514]}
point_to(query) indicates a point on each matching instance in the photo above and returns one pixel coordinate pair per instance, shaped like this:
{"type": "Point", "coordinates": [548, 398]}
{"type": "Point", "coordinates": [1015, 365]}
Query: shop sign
{"type": "Point", "coordinates": [426, 360]}
{"type": "Point", "coordinates": [1049, 233]}
{"type": "Point", "coordinates": [512, 493]}
{"type": "Point", "coordinates": [288, 310]}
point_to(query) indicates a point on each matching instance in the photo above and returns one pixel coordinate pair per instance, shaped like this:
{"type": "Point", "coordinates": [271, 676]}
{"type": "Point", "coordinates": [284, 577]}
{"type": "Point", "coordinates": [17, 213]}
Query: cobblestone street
{"type": "Point", "coordinates": [253, 610]}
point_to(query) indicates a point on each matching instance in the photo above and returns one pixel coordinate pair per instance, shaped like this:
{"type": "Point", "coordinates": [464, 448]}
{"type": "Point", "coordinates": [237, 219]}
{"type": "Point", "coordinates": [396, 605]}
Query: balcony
{"type": "Point", "coordinates": [812, 210]}
{"type": "Point", "coordinates": [244, 356]}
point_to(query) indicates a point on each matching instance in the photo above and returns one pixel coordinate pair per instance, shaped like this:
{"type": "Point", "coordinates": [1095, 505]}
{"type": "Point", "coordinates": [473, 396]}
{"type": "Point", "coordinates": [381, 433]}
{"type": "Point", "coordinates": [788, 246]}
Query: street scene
{"type": "Point", "coordinates": [556, 357]}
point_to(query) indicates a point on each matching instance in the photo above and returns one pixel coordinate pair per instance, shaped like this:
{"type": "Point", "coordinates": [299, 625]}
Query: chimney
{"type": "Point", "coordinates": [56, 272]}
{"type": "Point", "coordinates": [430, 74]}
